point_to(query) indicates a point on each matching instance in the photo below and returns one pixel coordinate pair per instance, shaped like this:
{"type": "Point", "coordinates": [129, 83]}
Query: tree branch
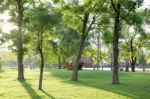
{"type": "Point", "coordinates": [114, 6]}
{"type": "Point", "coordinates": [128, 12]}
{"type": "Point", "coordinates": [91, 9]}
{"type": "Point", "coordinates": [75, 1]}
{"type": "Point", "coordinates": [79, 17]}
{"type": "Point", "coordinates": [89, 28]}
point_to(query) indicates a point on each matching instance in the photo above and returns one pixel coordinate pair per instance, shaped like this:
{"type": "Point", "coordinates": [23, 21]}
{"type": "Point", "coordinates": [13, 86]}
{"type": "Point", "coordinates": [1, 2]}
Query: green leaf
{"type": "Point", "coordinates": [56, 1]}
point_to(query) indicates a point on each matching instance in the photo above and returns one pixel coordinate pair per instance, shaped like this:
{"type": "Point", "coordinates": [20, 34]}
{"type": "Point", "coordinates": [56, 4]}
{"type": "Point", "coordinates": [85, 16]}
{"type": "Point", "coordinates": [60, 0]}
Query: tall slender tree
{"type": "Point", "coordinates": [20, 11]}
{"type": "Point", "coordinates": [16, 9]}
{"type": "Point", "coordinates": [41, 23]}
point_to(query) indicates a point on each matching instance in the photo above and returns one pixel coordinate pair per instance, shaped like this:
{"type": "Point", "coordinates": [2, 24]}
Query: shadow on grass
{"type": "Point", "coordinates": [30, 90]}
{"type": "Point", "coordinates": [50, 96]}
{"type": "Point", "coordinates": [132, 87]}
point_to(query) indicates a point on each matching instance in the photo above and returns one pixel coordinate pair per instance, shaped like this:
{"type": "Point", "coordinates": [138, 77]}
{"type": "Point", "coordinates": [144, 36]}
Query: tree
{"type": "Point", "coordinates": [17, 11]}
{"type": "Point", "coordinates": [83, 15]}
{"type": "Point", "coordinates": [142, 58]}
{"type": "Point", "coordinates": [122, 10]}
{"type": "Point", "coordinates": [65, 46]}
{"type": "Point", "coordinates": [107, 36]}
{"type": "Point", "coordinates": [19, 40]}
{"type": "Point", "coordinates": [125, 55]}
{"type": "Point", "coordinates": [41, 22]}
{"type": "Point", "coordinates": [96, 42]}
{"type": "Point", "coordinates": [57, 49]}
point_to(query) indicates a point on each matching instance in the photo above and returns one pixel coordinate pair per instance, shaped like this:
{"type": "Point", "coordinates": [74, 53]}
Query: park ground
{"type": "Point", "coordinates": [57, 85]}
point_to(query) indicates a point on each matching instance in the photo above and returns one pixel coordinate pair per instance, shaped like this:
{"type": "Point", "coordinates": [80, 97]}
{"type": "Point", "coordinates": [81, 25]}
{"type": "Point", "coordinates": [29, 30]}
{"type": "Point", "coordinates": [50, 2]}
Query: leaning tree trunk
{"type": "Point", "coordinates": [115, 47]}
{"type": "Point", "coordinates": [40, 49]}
{"type": "Point", "coordinates": [76, 64]}
{"type": "Point", "coordinates": [82, 42]}
{"type": "Point", "coordinates": [20, 41]}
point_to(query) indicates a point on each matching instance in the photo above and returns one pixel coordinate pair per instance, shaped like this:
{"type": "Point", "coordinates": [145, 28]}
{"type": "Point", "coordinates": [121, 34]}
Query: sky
{"type": "Point", "coordinates": [146, 4]}
{"type": "Point", "coordinates": [4, 24]}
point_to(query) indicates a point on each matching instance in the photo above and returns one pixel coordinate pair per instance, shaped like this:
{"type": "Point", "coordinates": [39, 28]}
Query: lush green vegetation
{"type": "Point", "coordinates": [74, 34]}
{"type": "Point", "coordinates": [57, 85]}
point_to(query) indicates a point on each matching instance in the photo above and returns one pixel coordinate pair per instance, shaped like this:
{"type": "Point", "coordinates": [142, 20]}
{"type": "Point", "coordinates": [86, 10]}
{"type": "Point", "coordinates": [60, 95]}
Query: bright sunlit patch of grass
{"type": "Point", "coordinates": [57, 85]}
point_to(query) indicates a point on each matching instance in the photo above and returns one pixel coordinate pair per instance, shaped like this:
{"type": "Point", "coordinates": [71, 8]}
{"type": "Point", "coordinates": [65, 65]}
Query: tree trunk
{"type": "Point", "coordinates": [20, 41]}
{"type": "Point", "coordinates": [133, 66]}
{"type": "Point", "coordinates": [133, 59]}
{"type": "Point", "coordinates": [111, 68]}
{"type": "Point", "coordinates": [127, 66]}
{"type": "Point", "coordinates": [40, 49]}
{"type": "Point", "coordinates": [98, 51]}
{"type": "Point", "coordinates": [82, 42]}
{"type": "Point", "coordinates": [59, 61]}
{"type": "Point", "coordinates": [143, 67]}
{"type": "Point", "coordinates": [143, 63]}
{"type": "Point", "coordinates": [115, 47]}
{"type": "Point", "coordinates": [76, 64]}
{"type": "Point", "coordinates": [64, 61]}
{"type": "Point", "coordinates": [142, 59]}
{"type": "Point", "coordinates": [41, 69]}
{"type": "Point", "coordinates": [93, 65]}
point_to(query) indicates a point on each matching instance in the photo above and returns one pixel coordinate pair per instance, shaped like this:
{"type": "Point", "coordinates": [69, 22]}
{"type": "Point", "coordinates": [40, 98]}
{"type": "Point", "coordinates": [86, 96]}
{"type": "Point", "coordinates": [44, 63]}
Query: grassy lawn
{"type": "Point", "coordinates": [57, 85]}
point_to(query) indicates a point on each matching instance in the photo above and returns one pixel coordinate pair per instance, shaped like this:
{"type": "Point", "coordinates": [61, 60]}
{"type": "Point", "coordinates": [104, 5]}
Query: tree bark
{"type": "Point", "coordinates": [143, 64]}
{"type": "Point", "coordinates": [76, 64]}
{"type": "Point", "coordinates": [80, 50]}
{"type": "Point", "coordinates": [142, 59]}
{"type": "Point", "coordinates": [98, 51]}
{"type": "Point", "coordinates": [127, 65]}
{"type": "Point", "coordinates": [40, 49]}
{"type": "Point", "coordinates": [133, 59]}
{"type": "Point", "coordinates": [41, 69]}
{"type": "Point", "coordinates": [64, 61]}
{"type": "Point", "coordinates": [115, 47]}
{"type": "Point", "coordinates": [20, 41]}
{"type": "Point", "coordinates": [111, 68]}
{"type": "Point", "coordinates": [143, 67]}
{"type": "Point", "coordinates": [133, 65]}
{"type": "Point", "coordinates": [59, 61]}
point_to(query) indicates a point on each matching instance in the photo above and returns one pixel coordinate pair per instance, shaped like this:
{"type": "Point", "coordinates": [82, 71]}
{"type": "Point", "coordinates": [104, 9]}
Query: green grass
{"type": "Point", "coordinates": [57, 85]}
